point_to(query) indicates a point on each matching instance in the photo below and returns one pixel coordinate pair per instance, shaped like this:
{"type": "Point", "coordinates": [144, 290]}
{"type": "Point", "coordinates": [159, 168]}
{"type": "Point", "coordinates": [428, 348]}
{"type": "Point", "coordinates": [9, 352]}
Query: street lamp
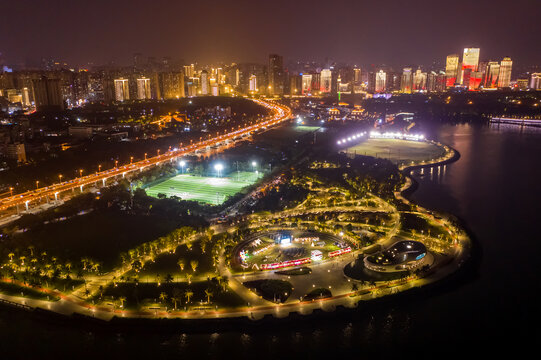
{"type": "Point", "coordinates": [37, 184]}
{"type": "Point", "coordinates": [80, 173]}
{"type": "Point", "coordinates": [182, 163]}
{"type": "Point", "coordinates": [218, 168]}
{"type": "Point", "coordinates": [131, 159]}
{"type": "Point", "coordinates": [116, 163]}
{"type": "Point", "coordinates": [60, 177]}
{"type": "Point", "coordinates": [145, 156]}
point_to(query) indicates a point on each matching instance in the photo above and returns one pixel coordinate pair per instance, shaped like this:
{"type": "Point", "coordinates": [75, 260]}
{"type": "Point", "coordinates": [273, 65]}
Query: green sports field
{"type": "Point", "coordinates": [210, 190]}
{"type": "Point", "coordinates": [398, 151]}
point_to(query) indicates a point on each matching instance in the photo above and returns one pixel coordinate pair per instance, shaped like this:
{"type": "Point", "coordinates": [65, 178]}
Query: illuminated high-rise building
{"type": "Point", "coordinates": [143, 89]}
{"type": "Point", "coordinates": [214, 89]}
{"type": "Point", "coordinates": [122, 90]}
{"type": "Point", "coordinates": [452, 67]}
{"type": "Point", "coordinates": [356, 75]}
{"type": "Point", "coordinates": [204, 82]}
{"type": "Point", "coordinates": [325, 81]}
{"type": "Point", "coordinates": [491, 75]}
{"type": "Point", "coordinates": [171, 85]}
{"type": "Point", "coordinates": [253, 83]}
{"type": "Point", "coordinates": [406, 84]}
{"type": "Point", "coordinates": [381, 78]}
{"type": "Point", "coordinates": [276, 75]}
{"type": "Point", "coordinates": [419, 80]}
{"type": "Point", "coordinates": [504, 79]}
{"type": "Point", "coordinates": [189, 70]}
{"type": "Point", "coordinates": [535, 81]}
{"type": "Point", "coordinates": [470, 60]}
{"type": "Point", "coordinates": [306, 84]}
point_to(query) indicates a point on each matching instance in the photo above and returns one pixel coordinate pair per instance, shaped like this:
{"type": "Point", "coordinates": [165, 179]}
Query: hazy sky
{"type": "Point", "coordinates": [356, 31]}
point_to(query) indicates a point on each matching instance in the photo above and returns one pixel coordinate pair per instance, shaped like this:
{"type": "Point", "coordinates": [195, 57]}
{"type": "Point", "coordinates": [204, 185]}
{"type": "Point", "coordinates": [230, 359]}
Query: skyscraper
{"type": "Point", "coordinates": [491, 75]}
{"type": "Point", "coordinates": [325, 81]}
{"type": "Point", "coordinates": [470, 60]}
{"type": "Point", "coordinates": [504, 79]}
{"type": "Point", "coordinates": [419, 80]}
{"type": "Point", "coordinates": [204, 82]}
{"type": "Point", "coordinates": [451, 69]}
{"type": "Point", "coordinates": [253, 83]}
{"type": "Point", "coordinates": [171, 85]}
{"type": "Point", "coordinates": [535, 81]}
{"type": "Point", "coordinates": [406, 84]}
{"type": "Point", "coordinates": [143, 89]}
{"type": "Point", "coordinates": [276, 75]}
{"type": "Point", "coordinates": [381, 78]}
{"type": "Point", "coordinates": [122, 90]}
{"type": "Point", "coordinates": [47, 95]}
{"type": "Point", "coordinates": [306, 84]}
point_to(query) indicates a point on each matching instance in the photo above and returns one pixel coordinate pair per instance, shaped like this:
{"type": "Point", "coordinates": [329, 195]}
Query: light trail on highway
{"type": "Point", "coordinates": [280, 114]}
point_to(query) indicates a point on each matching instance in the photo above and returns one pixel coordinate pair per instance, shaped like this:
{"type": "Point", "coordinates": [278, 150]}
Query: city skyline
{"type": "Point", "coordinates": [358, 32]}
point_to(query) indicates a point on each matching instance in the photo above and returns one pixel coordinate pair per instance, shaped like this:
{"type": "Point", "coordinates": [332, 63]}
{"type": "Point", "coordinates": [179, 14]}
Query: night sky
{"type": "Point", "coordinates": [356, 31]}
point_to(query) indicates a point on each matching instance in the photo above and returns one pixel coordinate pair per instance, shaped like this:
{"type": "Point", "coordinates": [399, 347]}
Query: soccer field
{"type": "Point", "coordinates": [398, 151]}
{"type": "Point", "coordinates": [210, 190]}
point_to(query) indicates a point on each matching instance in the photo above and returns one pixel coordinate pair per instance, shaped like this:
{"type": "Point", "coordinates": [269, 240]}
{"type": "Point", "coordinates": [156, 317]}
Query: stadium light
{"type": "Point", "coordinates": [182, 163]}
{"type": "Point", "coordinates": [218, 168]}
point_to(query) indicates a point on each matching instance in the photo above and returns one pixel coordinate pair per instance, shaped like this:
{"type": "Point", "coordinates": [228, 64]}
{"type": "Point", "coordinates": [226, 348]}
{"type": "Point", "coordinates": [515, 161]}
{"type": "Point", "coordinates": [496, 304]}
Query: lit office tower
{"type": "Point", "coordinates": [189, 70]}
{"type": "Point", "coordinates": [470, 60]}
{"type": "Point", "coordinates": [491, 75]}
{"type": "Point", "coordinates": [451, 70]}
{"type": "Point", "coordinates": [253, 83]}
{"type": "Point", "coordinates": [122, 90]}
{"type": "Point", "coordinates": [306, 83]}
{"type": "Point", "coordinates": [325, 81]}
{"type": "Point", "coordinates": [406, 84]}
{"type": "Point", "coordinates": [381, 78]}
{"type": "Point", "coordinates": [171, 85]}
{"type": "Point", "coordinates": [47, 94]}
{"type": "Point", "coordinates": [276, 75]}
{"type": "Point", "coordinates": [143, 88]}
{"type": "Point", "coordinates": [504, 79]}
{"type": "Point", "coordinates": [535, 81]}
{"type": "Point", "coordinates": [419, 80]}
{"type": "Point", "coordinates": [204, 82]}
{"type": "Point", "coordinates": [356, 75]}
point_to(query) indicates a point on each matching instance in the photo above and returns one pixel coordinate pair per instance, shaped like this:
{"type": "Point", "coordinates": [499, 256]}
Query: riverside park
{"type": "Point", "coordinates": [331, 231]}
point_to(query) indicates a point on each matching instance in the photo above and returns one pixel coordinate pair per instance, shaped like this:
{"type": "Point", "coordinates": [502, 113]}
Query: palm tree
{"type": "Point", "coordinates": [188, 294]}
{"type": "Point", "coordinates": [122, 299]}
{"type": "Point", "coordinates": [189, 245]}
{"type": "Point", "coordinates": [208, 294]}
{"type": "Point", "coordinates": [354, 287]}
{"type": "Point", "coordinates": [175, 300]}
{"type": "Point", "coordinates": [11, 255]}
{"type": "Point", "coordinates": [168, 278]}
{"type": "Point", "coordinates": [163, 297]}
{"type": "Point", "coordinates": [181, 264]}
{"type": "Point", "coordinates": [194, 264]}
{"type": "Point", "coordinates": [224, 282]}
{"type": "Point", "coordinates": [189, 278]}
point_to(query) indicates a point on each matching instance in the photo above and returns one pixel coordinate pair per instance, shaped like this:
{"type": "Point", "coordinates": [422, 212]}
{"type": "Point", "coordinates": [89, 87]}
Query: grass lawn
{"type": "Point", "coordinates": [149, 293]}
{"type": "Point", "coordinates": [398, 151]}
{"type": "Point", "coordinates": [16, 290]}
{"type": "Point", "coordinates": [210, 190]}
{"type": "Point", "coordinates": [100, 235]}
{"type": "Point", "coordinates": [167, 263]}
{"type": "Point", "coordinates": [421, 225]}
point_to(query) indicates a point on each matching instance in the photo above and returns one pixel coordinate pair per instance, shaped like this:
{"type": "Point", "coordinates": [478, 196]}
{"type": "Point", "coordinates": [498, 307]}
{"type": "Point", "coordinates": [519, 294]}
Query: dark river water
{"type": "Point", "coordinates": [491, 308]}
